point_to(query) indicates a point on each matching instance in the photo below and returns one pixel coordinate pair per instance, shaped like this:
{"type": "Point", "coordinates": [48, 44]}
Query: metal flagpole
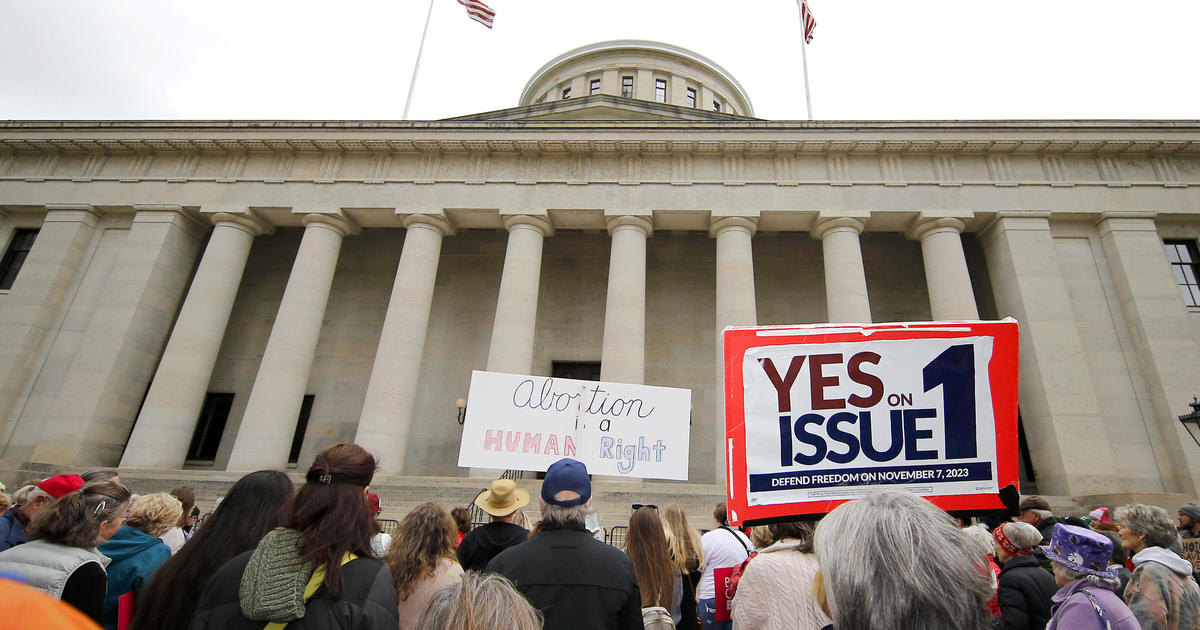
{"type": "Point", "coordinates": [803, 57]}
{"type": "Point", "coordinates": [417, 66]}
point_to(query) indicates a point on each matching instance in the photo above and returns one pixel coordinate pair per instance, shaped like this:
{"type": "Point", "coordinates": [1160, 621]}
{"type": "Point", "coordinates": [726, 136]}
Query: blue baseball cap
{"type": "Point", "coordinates": [567, 474]}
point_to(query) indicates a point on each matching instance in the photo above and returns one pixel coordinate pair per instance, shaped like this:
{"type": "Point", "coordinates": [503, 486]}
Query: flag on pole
{"type": "Point", "coordinates": [479, 12]}
{"type": "Point", "coordinates": [810, 23]}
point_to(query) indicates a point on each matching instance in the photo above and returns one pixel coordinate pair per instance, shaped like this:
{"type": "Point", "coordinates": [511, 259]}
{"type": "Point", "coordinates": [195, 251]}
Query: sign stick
{"type": "Point", "coordinates": [421, 48]}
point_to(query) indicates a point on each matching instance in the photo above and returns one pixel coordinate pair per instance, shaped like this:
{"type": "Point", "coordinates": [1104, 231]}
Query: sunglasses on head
{"type": "Point", "coordinates": [638, 506]}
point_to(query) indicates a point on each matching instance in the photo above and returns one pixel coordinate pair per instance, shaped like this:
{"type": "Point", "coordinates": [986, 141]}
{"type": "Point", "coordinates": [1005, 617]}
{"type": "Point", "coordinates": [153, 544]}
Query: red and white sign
{"type": "Point", "coordinates": [817, 415]}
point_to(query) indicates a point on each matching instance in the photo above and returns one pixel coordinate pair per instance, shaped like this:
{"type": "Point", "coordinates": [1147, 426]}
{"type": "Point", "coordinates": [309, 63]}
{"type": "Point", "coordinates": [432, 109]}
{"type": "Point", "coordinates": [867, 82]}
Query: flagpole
{"type": "Point", "coordinates": [804, 58]}
{"type": "Point", "coordinates": [417, 66]}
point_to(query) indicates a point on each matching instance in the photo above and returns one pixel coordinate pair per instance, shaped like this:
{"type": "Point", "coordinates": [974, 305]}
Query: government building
{"type": "Point", "coordinates": [236, 295]}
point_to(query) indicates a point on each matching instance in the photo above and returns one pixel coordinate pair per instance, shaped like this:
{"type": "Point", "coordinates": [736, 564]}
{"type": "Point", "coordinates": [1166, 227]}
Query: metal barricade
{"type": "Point", "coordinates": [615, 536]}
{"type": "Point", "coordinates": [388, 525]}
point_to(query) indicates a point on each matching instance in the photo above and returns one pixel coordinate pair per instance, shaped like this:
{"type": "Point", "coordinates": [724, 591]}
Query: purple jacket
{"type": "Point", "coordinates": [1073, 610]}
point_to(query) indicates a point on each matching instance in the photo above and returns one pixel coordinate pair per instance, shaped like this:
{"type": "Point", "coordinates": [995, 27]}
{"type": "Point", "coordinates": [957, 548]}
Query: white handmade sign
{"type": "Point", "coordinates": [523, 422]}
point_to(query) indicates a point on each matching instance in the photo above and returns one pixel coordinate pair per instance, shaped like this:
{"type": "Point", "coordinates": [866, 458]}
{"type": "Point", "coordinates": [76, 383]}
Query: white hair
{"type": "Point", "coordinates": [25, 494]}
{"type": "Point", "coordinates": [893, 560]}
{"type": "Point", "coordinates": [1071, 575]}
{"type": "Point", "coordinates": [1042, 514]}
{"type": "Point", "coordinates": [981, 540]}
{"type": "Point", "coordinates": [567, 517]}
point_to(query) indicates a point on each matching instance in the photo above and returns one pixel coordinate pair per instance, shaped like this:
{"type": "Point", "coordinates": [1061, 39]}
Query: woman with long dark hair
{"type": "Point", "coordinates": [317, 571]}
{"type": "Point", "coordinates": [252, 507]}
{"type": "Point", "coordinates": [659, 579]}
{"type": "Point", "coordinates": [422, 559]}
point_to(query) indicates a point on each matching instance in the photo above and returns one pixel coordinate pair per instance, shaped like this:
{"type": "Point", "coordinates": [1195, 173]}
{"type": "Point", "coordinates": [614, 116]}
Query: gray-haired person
{"type": "Point", "coordinates": [894, 560]}
{"type": "Point", "coordinates": [1161, 591]}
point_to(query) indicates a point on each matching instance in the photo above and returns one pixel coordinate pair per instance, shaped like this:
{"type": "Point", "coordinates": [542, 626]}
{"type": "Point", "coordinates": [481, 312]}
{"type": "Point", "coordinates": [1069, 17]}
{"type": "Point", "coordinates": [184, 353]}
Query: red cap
{"type": "Point", "coordinates": [373, 501]}
{"type": "Point", "coordinates": [60, 486]}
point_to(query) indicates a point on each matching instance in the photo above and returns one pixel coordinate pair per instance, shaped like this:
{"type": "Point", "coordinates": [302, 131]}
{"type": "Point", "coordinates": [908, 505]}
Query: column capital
{"type": "Point", "coordinates": [73, 212]}
{"type": "Point", "coordinates": [242, 218]}
{"type": "Point", "coordinates": [1020, 220]}
{"type": "Point", "coordinates": [825, 225]}
{"type": "Point", "coordinates": [335, 219]}
{"type": "Point", "coordinates": [640, 222]}
{"type": "Point", "coordinates": [924, 225]}
{"type": "Point", "coordinates": [430, 220]}
{"type": "Point", "coordinates": [1126, 221]}
{"type": "Point", "coordinates": [721, 224]}
{"type": "Point", "coordinates": [170, 213]}
{"type": "Point", "coordinates": [539, 223]}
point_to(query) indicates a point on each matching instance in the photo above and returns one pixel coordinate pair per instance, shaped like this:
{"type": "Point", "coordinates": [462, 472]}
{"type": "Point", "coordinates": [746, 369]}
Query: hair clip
{"type": "Point", "coordinates": [325, 479]}
{"type": "Point", "coordinates": [99, 506]}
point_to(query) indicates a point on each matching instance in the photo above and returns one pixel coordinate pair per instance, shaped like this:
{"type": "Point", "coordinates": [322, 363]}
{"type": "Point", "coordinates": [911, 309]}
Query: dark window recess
{"type": "Point", "coordinates": [594, 87]}
{"type": "Point", "coordinates": [566, 93]}
{"type": "Point", "coordinates": [301, 427]}
{"type": "Point", "coordinates": [1184, 263]}
{"type": "Point", "coordinates": [1025, 470]}
{"type": "Point", "coordinates": [14, 257]}
{"type": "Point", "coordinates": [578, 370]}
{"type": "Point", "coordinates": [660, 90]}
{"type": "Point", "coordinates": [716, 106]}
{"type": "Point", "coordinates": [627, 87]}
{"type": "Point", "coordinates": [691, 97]}
{"type": "Point", "coordinates": [207, 437]}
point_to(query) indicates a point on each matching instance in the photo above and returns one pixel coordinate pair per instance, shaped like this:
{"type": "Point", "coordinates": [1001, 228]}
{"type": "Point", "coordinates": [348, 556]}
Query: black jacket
{"type": "Point", "coordinates": [578, 582]}
{"type": "Point", "coordinates": [482, 544]}
{"type": "Point", "coordinates": [1024, 594]}
{"type": "Point", "coordinates": [368, 601]}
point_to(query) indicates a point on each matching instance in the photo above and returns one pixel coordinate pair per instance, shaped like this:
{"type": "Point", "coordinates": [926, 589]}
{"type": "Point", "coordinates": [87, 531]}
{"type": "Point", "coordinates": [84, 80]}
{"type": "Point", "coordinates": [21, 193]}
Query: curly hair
{"type": "Point", "coordinates": [1156, 523]}
{"type": "Point", "coordinates": [154, 513]}
{"type": "Point", "coordinates": [423, 539]}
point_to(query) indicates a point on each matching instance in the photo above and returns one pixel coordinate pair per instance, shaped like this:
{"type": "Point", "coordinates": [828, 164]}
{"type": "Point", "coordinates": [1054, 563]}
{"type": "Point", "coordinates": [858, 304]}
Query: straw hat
{"type": "Point", "coordinates": [503, 498]}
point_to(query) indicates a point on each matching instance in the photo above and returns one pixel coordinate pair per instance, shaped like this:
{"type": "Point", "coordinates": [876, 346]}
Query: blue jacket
{"type": "Point", "coordinates": [135, 555]}
{"type": "Point", "coordinates": [12, 533]}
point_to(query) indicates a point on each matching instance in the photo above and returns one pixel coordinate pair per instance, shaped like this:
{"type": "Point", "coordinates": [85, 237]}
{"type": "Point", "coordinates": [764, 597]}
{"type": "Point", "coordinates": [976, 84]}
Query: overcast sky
{"type": "Point", "coordinates": [350, 60]}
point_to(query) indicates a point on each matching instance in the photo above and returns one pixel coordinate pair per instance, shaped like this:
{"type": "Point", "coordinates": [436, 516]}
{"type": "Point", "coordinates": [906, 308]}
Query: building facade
{"type": "Point", "coordinates": [234, 295]}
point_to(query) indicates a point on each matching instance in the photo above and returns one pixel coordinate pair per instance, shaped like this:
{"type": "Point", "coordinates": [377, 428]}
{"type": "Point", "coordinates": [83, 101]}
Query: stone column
{"type": "Point", "coordinates": [387, 410]}
{"type": "Point", "coordinates": [623, 355]}
{"type": "Point", "coordinates": [1161, 330]}
{"type": "Point", "coordinates": [36, 300]}
{"type": "Point", "coordinates": [1061, 417]}
{"type": "Point", "coordinates": [511, 349]}
{"type": "Point", "coordinates": [950, 293]}
{"type": "Point", "coordinates": [735, 306]}
{"type": "Point", "coordinates": [845, 279]}
{"type": "Point", "coordinates": [164, 427]}
{"type": "Point", "coordinates": [265, 434]}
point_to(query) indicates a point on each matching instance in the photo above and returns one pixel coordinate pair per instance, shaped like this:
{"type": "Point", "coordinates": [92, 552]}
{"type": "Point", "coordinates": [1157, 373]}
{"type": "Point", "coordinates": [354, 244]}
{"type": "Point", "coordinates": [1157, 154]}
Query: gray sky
{"type": "Point", "coordinates": [870, 59]}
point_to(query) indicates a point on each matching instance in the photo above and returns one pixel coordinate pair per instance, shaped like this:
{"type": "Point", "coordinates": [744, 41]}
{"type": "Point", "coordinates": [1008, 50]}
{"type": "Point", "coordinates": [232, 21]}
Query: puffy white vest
{"type": "Point", "coordinates": [47, 565]}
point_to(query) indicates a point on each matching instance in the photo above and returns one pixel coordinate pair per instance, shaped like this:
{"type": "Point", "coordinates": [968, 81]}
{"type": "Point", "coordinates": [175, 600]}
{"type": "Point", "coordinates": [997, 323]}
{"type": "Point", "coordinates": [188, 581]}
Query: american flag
{"type": "Point", "coordinates": [479, 12]}
{"type": "Point", "coordinates": [810, 23]}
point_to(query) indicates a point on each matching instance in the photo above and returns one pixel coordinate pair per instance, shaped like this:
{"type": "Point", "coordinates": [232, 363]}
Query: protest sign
{"type": "Point", "coordinates": [523, 422]}
{"type": "Point", "coordinates": [1191, 552]}
{"type": "Point", "coordinates": [821, 414]}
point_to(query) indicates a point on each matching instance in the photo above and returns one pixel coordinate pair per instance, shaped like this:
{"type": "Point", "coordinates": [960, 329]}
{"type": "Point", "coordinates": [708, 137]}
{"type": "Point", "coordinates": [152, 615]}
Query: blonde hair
{"type": "Point", "coordinates": [154, 513]}
{"type": "Point", "coordinates": [5, 502]}
{"type": "Point", "coordinates": [423, 539]}
{"type": "Point", "coordinates": [479, 602]}
{"type": "Point", "coordinates": [684, 541]}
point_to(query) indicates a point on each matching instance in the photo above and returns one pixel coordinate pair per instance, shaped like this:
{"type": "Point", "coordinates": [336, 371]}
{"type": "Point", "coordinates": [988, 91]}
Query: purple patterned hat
{"type": "Point", "coordinates": [1081, 550]}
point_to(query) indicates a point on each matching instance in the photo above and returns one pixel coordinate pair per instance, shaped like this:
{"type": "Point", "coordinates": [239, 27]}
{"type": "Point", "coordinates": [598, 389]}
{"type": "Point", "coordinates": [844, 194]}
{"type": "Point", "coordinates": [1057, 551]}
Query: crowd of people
{"type": "Point", "coordinates": [81, 551]}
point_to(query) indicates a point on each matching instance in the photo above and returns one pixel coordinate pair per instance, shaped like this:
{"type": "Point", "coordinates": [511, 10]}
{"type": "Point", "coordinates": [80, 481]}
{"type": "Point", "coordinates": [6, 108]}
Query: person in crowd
{"type": "Point", "coordinates": [894, 560]}
{"type": "Point", "coordinates": [1086, 598]}
{"type": "Point", "coordinates": [1119, 554]}
{"type": "Point", "coordinates": [462, 523]}
{"type": "Point", "coordinates": [26, 607]}
{"type": "Point", "coordinates": [1100, 515]}
{"type": "Point", "coordinates": [177, 535]}
{"type": "Point", "coordinates": [253, 507]}
{"type": "Point", "coordinates": [776, 589]}
{"type": "Point", "coordinates": [1036, 511]}
{"type": "Point", "coordinates": [136, 550]}
{"type": "Point", "coordinates": [501, 502]}
{"type": "Point", "coordinates": [422, 559]}
{"type": "Point", "coordinates": [316, 571]}
{"type": "Point", "coordinates": [1025, 588]}
{"type": "Point", "coordinates": [521, 519]}
{"type": "Point", "coordinates": [573, 579]}
{"type": "Point", "coordinates": [16, 519]}
{"type": "Point", "coordinates": [1161, 592]}
{"type": "Point", "coordinates": [61, 557]}
{"type": "Point", "coordinates": [659, 579]}
{"type": "Point", "coordinates": [984, 546]}
{"type": "Point", "coordinates": [683, 542]}
{"type": "Point", "coordinates": [101, 474]}
{"type": "Point", "coordinates": [5, 500]}
{"type": "Point", "coordinates": [479, 602]}
{"type": "Point", "coordinates": [1189, 520]}
{"type": "Point", "coordinates": [21, 496]}
{"type": "Point", "coordinates": [722, 547]}
{"type": "Point", "coordinates": [380, 540]}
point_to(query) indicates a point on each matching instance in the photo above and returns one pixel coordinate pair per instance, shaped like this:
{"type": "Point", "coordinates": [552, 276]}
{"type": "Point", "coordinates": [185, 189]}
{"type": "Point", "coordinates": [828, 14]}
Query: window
{"type": "Point", "coordinates": [691, 97]}
{"type": "Point", "coordinates": [1184, 260]}
{"type": "Point", "coordinates": [626, 87]}
{"type": "Point", "coordinates": [207, 436]}
{"type": "Point", "coordinates": [594, 87]}
{"type": "Point", "coordinates": [566, 93]}
{"type": "Point", "coordinates": [716, 106]}
{"type": "Point", "coordinates": [578, 370]}
{"type": "Point", "coordinates": [301, 427]}
{"type": "Point", "coordinates": [660, 90]}
{"type": "Point", "coordinates": [18, 249]}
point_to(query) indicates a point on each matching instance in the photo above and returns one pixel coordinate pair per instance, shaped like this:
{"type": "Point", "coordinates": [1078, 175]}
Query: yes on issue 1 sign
{"type": "Point", "coordinates": [818, 415]}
